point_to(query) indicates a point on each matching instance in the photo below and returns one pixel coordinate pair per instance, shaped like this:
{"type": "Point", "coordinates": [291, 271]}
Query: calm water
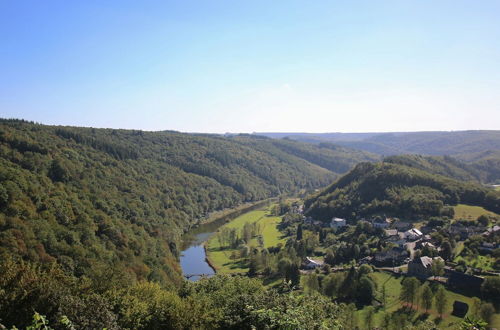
{"type": "Point", "coordinates": [193, 258]}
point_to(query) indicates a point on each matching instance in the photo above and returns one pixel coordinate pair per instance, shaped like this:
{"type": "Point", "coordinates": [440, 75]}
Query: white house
{"type": "Point", "coordinates": [311, 264]}
{"type": "Point", "coordinates": [337, 223]}
{"type": "Point", "coordinates": [413, 234]}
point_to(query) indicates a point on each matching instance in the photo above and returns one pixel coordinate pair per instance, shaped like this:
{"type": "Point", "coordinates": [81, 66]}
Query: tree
{"type": "Point", "coordinates": [58, 172]}
{"type": "Point", "coordinates": [299, 232]}
{"type": "Point", "coordinates": [440, 300]}
{"type": "Point", "coordinates": [369, 314]}
{"type": "Point", "coordinates": [384, 295]}
{"type": "Point", "coordinates": [293, 274]}
{"type": "Point", "coordinates": [491, 289]}
{"type": "Point", "coordinates": [365, 290]}
{"type": "Point", "coordinates": [330, 258]}
{"type": "Point", "coordinates": [311, 283]}
{"type": "Point", "coordinates": [331, 284]}
{"type": "Point", "coordinates": [426, 296]}
{"type": "Point", "coordinates": [437, 267]}
{"type": "Point", "coordinates": [446, 250]}
{"type": "Point", "coordinates": [409, 290]}
{"type": "Point", "coordinates": [473, 323]}
{"type": "Point", "coordinates": [486, 311]}
{"type": "Point", "coordinates": [351, 316]}
{"type": "Point", "coordinates": [483, 220]}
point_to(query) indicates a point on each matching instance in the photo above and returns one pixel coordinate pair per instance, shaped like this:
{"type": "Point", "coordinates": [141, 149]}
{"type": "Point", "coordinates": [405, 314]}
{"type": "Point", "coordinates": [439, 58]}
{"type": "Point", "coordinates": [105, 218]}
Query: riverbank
{"type": "Point", "coordinates": [193, 258]}
{"type": "Point", "coordinates": [228, 260]}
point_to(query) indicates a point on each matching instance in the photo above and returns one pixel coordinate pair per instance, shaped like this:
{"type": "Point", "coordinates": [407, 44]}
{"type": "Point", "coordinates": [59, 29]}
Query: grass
{"type": "Point", "coordinates": [393, 288]}
{"type": "Point", "coordinates": [485, 262]}
{"type": "Point", "coordinates": [469, 212]}
{"type": "Point", "coordinates": [221, 259]}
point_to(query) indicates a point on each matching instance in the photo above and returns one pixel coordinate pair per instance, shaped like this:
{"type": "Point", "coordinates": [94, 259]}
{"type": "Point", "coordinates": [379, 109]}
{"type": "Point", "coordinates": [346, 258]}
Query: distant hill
{"type": "Point", "coordinates": [486, 170]}
{"type": "Point", "coordinates": [460, 144]}
{"type": "Point", "coordinates": [397, 190]}
{"type": "Point", "coordinates": [87, 198]}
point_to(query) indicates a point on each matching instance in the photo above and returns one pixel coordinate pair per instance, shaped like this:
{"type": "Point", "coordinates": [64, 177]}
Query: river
{"type": "Point", "coordinates": [193, 257]}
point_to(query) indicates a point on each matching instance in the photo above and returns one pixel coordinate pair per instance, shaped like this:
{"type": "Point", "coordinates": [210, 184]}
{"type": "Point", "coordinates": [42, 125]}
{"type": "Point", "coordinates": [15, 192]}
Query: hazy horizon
{"type": "Point", "coordinates": [284, 66]}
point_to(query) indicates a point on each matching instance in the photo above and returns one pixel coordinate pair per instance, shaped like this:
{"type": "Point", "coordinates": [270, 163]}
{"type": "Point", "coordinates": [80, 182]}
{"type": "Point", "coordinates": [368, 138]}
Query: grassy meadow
{"type": "Point", "coordinates": [469, 212]}
{"type": "Point", "coordinates": [393, 289]}
{"type": "Point", "coordinates": [223, 259]}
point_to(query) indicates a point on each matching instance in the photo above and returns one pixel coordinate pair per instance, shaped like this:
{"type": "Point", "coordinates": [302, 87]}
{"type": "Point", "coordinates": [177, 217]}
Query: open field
{"type": "Point", "coordinates": [469, 212]}
{"type": "Point", "coordinates": [224, 261]}
{"type": "Point", "coordinates": [393, 289]}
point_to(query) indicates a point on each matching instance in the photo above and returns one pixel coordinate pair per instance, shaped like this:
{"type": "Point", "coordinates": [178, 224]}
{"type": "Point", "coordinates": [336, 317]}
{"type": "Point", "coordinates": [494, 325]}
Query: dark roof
{"type": "Point", "coordinates": [460, 308]}
{"type": "Point", "coordinates": [460, 279]}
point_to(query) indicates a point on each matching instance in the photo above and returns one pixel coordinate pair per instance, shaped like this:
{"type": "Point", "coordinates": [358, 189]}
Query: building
{"type": "Point", "coordinates": [401, 226]}
{"type": "Point", "coordinates": [379, 222]}
{"type": "Point", "coordinates": [493, 230]}
{"type": "Point", "coordinates": [395, 237]}
{"type": "Point", "coordinates": [462, 281]}
{"type": "Point", "coordinates": [413, 234]}
{"type": "Point", "coordinates": [422, 267]}
{"type": "Point", "coordinates": [338, 223]}
{"type": "Point", "coordinates": [312, 264]}
{"type": "Point", "coordinates": [460, 308]}
{"type": "Point", "coordinates": [392, 257]}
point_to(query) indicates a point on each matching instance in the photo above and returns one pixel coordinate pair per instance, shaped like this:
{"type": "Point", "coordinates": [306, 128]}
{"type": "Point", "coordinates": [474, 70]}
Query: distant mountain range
{"type": "Point", "coordinates": [465, 145]}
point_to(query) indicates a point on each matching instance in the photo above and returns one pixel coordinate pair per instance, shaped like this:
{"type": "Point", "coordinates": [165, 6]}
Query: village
{"type": "Point", "coordinates": [431, 250]}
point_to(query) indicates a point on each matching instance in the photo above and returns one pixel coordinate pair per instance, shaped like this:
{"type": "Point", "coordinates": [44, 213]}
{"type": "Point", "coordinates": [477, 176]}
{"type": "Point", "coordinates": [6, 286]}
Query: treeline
{"type": "Point", "coordinates": [86, 197]}
{"type": "Point", "coordinates": [397, 190]}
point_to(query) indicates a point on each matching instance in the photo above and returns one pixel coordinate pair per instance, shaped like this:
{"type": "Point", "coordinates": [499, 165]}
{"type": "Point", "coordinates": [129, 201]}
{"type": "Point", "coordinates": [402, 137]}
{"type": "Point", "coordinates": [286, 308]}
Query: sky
{"type": "Point", "coordinates": [252, 66]}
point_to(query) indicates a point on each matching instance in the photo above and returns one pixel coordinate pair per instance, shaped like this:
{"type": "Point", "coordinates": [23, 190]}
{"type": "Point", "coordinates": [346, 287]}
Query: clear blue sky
{"type": "Point", "coordinates": [244, 66]}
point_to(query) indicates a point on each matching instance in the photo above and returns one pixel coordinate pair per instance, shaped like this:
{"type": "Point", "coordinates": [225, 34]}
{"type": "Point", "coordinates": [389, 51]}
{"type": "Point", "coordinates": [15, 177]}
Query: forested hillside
{"type": "Point", "coordinates": [88, 198]}
{"type": "Point", "coordinates": [397, 190]}
{"type": "Point", "coordinates": [464, 145]}
{"type": "Point", "coordinates": [486, 170]}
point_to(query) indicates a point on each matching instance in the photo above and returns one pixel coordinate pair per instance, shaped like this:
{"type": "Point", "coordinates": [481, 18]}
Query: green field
{"type": "Point", "coordinates": [221, 259]}
{"type": "Point", "coordinates": [393, 288]}
{"type": "Point", "coordinates": [485, 262]}
{"type": "Point", "coordinates": [469, 212]}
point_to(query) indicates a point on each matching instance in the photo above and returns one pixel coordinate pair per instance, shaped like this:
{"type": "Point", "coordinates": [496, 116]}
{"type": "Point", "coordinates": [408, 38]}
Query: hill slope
{"type": "Point", "coordinates": [89, 198]}
{"type": "Point", "coordinates": [486, 170]}
{"type": "Point", "coordinates": [396, 190]}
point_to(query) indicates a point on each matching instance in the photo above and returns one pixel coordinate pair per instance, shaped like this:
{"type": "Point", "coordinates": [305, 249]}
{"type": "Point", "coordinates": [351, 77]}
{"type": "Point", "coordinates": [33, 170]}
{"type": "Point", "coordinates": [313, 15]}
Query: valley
{"type": "Point", "coordinates": [172, 230]}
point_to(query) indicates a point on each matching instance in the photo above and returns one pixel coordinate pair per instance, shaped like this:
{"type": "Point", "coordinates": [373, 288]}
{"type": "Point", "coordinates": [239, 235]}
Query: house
{"type": "Point", "coordinates": [312, 264]}
{"type": "Point", "coordinates": [365, 260]}
{"type": "Point", "coordinates": [465, 231]}
{"type": "Point", "coordinates": [391, 232]}
{"type": "Point", "coordinates": [422, 267]}
{"type": "Point", "coordinates": [460, 309]}
{"type": "Point", "coordinates": [395, 237]}
{"type": "Point", "coordinates": [401, 226]}
{"type": "Point", "coordinates": [392, 257]}
{"type": "Point", "coordinates": [338, 223]}
{"type": "Point", "coordinates": [488, 247]}
{"type": "Point", "coordinates": [380, 222]}
{"type": "Point", "coordinates": [459, 280]}
{"type": "Point", "coordinates": [493, 230]}
{"type": "Point", "coordinates": [423, 244]}
{"type": "Point", "coordinates": [413, 234]}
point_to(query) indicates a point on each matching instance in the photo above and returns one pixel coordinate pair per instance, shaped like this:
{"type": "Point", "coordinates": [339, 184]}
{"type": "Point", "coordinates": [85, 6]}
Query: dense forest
{"type": "Point", "coordinates": [397, 190]}
{"type": "Point", "coordinates": [87, 198]}
{"type": "Point", "coordinates": [486, 170]}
